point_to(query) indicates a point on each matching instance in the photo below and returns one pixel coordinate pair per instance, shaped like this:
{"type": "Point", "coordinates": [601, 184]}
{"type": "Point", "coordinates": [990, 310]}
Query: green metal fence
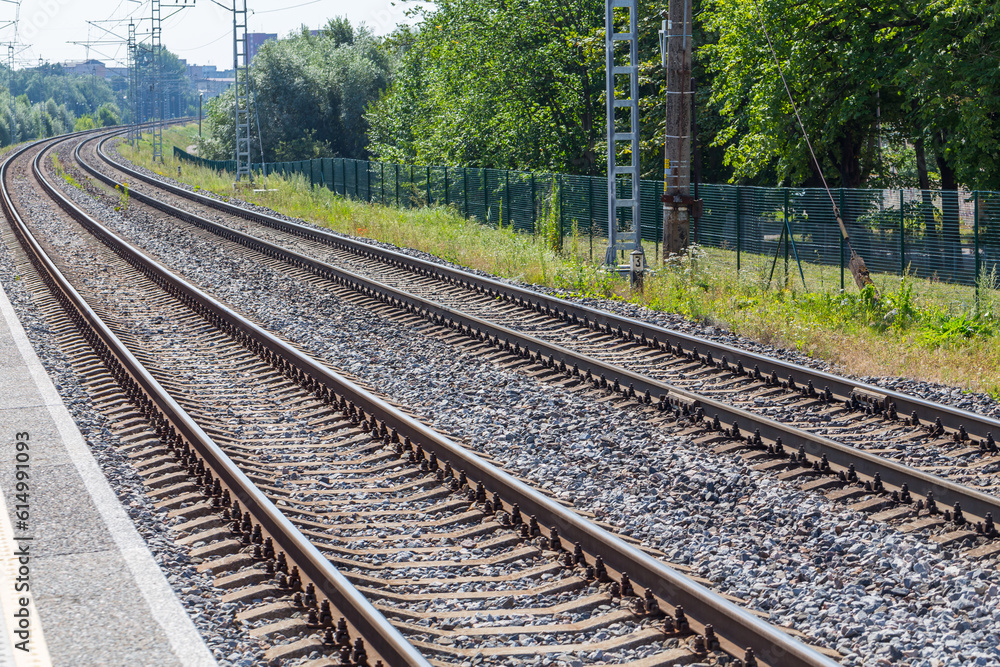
{"type": "Point", "coordinates": [952, 237]}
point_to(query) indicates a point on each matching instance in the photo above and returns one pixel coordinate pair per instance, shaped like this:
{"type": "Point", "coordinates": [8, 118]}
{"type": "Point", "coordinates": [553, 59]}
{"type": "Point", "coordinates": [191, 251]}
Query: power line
{"type": "Point", "coordinates": [282, 9]}
{"type": "Point", "coordinates": [195, 48]}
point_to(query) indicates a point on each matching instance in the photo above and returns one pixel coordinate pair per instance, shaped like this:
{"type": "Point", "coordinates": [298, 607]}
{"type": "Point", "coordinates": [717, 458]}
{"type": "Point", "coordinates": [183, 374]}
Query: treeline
{"type": "Point", "coordinates": [49, 101]}
{"type": "Point", "coordinates": [892, 95]}
{"type": "Point", "coordinates": [311, 96]}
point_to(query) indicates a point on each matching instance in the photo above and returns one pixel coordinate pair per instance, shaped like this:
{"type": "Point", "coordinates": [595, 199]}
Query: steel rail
{"type": "Point", "coordinates": [381, 636]}
{"type": "Point", "coordinates": [928, 412]}
{"type": "Point", "coordinates": [839, 455]}
{"type": "Point", "coordinates": [741, 628]}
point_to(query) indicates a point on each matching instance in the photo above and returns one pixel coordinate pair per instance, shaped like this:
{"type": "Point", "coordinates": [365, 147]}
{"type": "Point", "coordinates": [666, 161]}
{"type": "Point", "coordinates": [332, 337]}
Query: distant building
{"type": "Point", "coordinates": [255, 40]}
{"type": "Point", "coordinates": [86, 68]}
{"type": "Point", "coordinates": [214, 87]}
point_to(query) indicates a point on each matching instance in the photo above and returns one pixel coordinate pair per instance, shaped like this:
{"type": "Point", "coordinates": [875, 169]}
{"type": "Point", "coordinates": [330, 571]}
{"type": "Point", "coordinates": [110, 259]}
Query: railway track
{"type": "Point", "coordinates": [775, 373]}
{"type": "Point", "coordinates": [305, 469]}
{"type": "Point", "coordinates": [851, 439]}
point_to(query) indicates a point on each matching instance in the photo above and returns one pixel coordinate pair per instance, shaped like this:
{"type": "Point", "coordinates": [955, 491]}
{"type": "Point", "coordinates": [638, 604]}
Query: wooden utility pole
{"type": "Point", "coordinates": [678, 205]}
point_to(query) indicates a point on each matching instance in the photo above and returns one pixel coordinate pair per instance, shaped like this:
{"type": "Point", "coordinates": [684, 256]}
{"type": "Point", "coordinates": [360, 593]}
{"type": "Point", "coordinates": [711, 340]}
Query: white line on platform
{"type": "Point", "coordinates": [27, 649]}
{"type": "Point", "coordinates": [185, 640]}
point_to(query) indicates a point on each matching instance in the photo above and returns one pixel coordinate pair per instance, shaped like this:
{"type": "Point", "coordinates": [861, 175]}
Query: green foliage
{"type": "Point", "coordinates": [497, 84]}
{"type": "Point", "coordinates": [122, 190]}
{"type": "Point", "coordinates": [927, 67]}
{"type": "Point", "coordinates": [311, 93]}
{"type": "Point", "coordinates": [84, 123]}
{"type": "Point", "coordinates": [839, 60]}
{"type": "Point", "coordinates": [107, 115]}
{"type": "Point", "coordinates": [38, 112]}
{"type": "Point", "coordinates": [79, 94]}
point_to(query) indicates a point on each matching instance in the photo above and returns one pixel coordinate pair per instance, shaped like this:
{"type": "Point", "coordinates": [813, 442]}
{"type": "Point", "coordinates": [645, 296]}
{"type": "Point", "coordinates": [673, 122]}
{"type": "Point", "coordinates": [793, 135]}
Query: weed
{"type": "Point", "coordinates": [62, 173]}
{"type": "Point", "coordinates": [122, 198]}
{"type": "Point", "coordinates": [914, 330]}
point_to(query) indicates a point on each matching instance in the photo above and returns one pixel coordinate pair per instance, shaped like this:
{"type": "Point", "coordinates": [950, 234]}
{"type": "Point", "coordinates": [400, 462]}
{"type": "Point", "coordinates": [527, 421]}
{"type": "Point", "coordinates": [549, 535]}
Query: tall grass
{"type": "Point", "coordinates": [914, 330]}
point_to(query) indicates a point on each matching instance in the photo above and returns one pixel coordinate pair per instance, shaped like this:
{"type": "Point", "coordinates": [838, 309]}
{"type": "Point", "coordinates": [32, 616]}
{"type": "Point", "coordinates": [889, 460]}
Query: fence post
{"type": "Point", "coordinates": [975, 239]}
{"type": "Point", "coordinates": [739, 231]}
{"type": "Point", "coordinates": [590, 213]}
{"type": "Point", "coordinates": [429, 202]}
{"type": "Point", "coordinates": [506, 196]}
{"type": "Point", "coordinates": [560, 211]}
{"type": "Point", "coordinates": [412, 184]}
{"type": "Point", "coordinates": [534, 215]}
{"type": "Point", "coordinates": [447, 197]}
{"type": "Point", "coordinates": [397, 185]}
{"type": "Point", "coordinates": [382, 180]}
{"type": "Point", "coordinates": [465, 190]}
{"type": "Point", "coordinates": [843, 214]}
{"type": "Point", "coordinates": [902, 236]}
{"type": "Point", "coordinates": [486, 193]}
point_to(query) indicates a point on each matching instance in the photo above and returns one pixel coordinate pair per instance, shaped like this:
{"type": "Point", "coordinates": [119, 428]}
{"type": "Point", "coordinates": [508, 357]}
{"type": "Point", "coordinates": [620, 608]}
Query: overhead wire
{"type": "Point", "coordinates": [281, 9]}
{"type": "Point", "coordinates": [228, 33]}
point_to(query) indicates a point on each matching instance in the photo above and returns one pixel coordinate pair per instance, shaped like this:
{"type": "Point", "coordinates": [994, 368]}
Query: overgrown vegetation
{"type": "Point", "coordinates": [311, 94]}
{"type": "Point", "coordinates": [123, 198]}
{"type": "Point", "coordinates": [84, 102]}
{"type": "Point", "coordinates": [61, 172]}
{"type": "Point", "coordinates": [917, 76]}
{"type": "Point", "coordinates": [914, 330]}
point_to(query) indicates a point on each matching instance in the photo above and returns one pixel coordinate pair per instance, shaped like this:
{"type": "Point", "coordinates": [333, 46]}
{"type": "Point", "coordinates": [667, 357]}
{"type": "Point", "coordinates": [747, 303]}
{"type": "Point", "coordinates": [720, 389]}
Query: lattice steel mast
{"type": "Point", "coordinates": [629, 237]}
{"type": "Point", "coordinates": [241, 108]}
{"type": "Point", "coordinates": [10, 92]}
{"type": "Point", "coordinates": [156, 90]}
{"type": "Point", "coordinates": [133, 86]}
{"type": "Point", "coordinates": [157, 93]}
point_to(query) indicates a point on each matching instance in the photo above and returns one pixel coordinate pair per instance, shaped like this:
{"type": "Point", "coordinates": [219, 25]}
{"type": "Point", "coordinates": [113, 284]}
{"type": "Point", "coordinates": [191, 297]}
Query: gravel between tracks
{"type": "Point", "coordinates": [215, 622]}
{"type": "Point", "coordinates": [931, 391]}
{"type": "Point", "coordinates": [879, 597]}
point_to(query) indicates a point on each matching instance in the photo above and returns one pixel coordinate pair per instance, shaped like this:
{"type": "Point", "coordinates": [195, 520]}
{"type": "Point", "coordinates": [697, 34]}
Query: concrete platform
{"type": "Point", "coordinates": [78, 586]}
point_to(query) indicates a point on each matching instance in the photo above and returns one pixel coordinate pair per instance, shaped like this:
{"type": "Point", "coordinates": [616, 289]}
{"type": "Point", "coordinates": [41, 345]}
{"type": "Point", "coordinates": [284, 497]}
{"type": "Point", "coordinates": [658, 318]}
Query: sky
{"type": "Point", "coordinates": [201, 34]}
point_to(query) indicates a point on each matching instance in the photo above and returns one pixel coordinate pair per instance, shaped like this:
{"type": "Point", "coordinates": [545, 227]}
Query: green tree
{"type": "Point", "coordinates": [839, 60]}
{"type": "Point", "coordinates": [84, 123]}
{"type": "Point", "coordinates": [311, 93]}
{"type": "Point", "coordinates": [80, 94]}
{"type": "Point", "coordinates": [954, 91]}
{"type": "Point", "coordinates": [863, 74]}
{"type": "Point", "coordinates": [497, 84]}
{"type": "Point", "coordinates": [107, 115]}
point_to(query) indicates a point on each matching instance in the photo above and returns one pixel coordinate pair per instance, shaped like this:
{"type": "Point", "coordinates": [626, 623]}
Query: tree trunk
{"type": "Point", "coordinates": [926, 204]}
{"type": "Point", "coordinates": [950, 220]}
{"type": "Point", "coordinates": [850, 162]}
{"type": "Point", "coordinates": [922, 178]}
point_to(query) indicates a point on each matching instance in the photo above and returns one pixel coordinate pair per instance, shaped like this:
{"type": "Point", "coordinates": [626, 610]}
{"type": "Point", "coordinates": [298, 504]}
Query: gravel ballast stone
{"type": "Point", "coordinates": [862, 588]}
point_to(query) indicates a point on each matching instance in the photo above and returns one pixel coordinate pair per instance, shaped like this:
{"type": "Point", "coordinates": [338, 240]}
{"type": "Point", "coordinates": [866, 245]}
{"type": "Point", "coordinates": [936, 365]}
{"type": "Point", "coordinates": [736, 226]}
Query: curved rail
{"type": "Point", "coordinates": [385, 639]}
{"type": "Point", "coordinates": [735, 626]}
{"type": "Point", "coordinates": [733, 422]}
{"type": "Point", "coordinates": [845, 389]}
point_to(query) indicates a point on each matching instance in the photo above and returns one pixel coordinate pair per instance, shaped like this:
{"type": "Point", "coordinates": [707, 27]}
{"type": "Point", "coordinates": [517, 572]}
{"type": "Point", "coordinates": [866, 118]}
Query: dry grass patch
{"type": "Point", "coordinates": [919, 329]}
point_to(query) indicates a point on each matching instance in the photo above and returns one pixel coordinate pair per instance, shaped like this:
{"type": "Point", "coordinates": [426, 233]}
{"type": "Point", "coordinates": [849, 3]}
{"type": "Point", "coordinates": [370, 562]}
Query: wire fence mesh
{"type": "Point", "coordinates": [785, 235]}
